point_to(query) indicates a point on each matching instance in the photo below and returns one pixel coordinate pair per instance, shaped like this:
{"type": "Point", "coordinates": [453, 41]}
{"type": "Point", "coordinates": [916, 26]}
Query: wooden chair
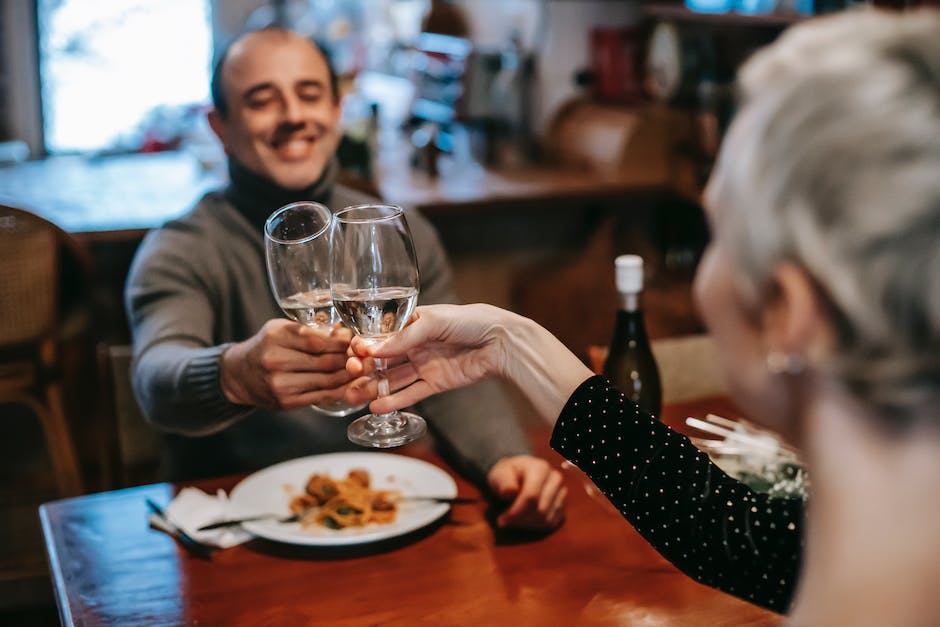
{"type": "Point", "coordinates": [30, 368]}
{"type": "Point", "coordinates": [135, 446]}
{"type": "Point", "coordinates": [688, 366]}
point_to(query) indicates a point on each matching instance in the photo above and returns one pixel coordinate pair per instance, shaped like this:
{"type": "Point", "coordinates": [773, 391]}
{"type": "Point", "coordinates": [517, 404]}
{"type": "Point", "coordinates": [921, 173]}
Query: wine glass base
{"type": "Point", "coordinates": [406, 427]}
{"type": "Point", "coordinates": [339, 409]}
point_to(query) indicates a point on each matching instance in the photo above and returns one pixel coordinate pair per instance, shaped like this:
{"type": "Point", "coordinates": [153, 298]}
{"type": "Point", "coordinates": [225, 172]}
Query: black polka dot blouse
{"type": "Point", "coordinates": [707, 524]}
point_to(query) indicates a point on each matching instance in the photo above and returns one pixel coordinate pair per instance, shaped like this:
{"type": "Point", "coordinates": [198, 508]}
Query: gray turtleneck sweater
{"type": "Point", "coordinates": [199, 284]}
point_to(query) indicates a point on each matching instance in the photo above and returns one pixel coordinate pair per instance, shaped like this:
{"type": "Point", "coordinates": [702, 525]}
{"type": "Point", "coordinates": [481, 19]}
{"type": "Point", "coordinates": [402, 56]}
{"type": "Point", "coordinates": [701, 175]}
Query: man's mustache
{"type": "Point", "coordinates": [287, 130]}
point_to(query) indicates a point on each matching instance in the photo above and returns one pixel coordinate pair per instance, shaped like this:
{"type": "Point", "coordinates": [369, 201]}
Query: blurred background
{"type": "Point", "coordinates": [541, 137]}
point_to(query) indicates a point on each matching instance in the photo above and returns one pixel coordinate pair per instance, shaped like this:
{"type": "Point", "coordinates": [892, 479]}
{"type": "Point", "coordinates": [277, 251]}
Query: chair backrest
{"type": "Point", "coordinates": [138, 444]}
{"type": "Point", "coordinates": [28, 277]}
{"type": "Point", "coordinates": [33, 373]}
{"type": "Point", "coordinates": [688, 366]}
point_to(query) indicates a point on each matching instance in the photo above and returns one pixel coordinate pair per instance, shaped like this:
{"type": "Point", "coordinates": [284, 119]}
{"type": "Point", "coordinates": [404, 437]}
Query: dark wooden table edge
{"type": "Point", "coordinates": [55, 570]}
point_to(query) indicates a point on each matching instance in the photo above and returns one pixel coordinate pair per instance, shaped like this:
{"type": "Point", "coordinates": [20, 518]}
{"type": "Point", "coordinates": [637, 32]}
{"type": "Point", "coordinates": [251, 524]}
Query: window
{"type": "Point", "coordinates": [121, 74]}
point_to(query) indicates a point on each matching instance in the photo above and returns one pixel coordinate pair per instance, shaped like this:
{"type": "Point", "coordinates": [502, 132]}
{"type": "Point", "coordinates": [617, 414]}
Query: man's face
{"type": "Point", "coordinates": [283, 119]}
{"type": "Point", "coordinates": [389, 322]}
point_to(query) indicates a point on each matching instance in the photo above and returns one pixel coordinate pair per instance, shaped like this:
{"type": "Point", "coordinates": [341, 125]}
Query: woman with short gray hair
{"type": "Point", "coordinates": [834, 165]}
{"type": "Point", "coordinates": [821, 286]}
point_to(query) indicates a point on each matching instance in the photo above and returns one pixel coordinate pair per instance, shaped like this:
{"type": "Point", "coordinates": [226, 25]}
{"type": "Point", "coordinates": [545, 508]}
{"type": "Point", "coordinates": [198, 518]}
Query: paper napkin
{"type": "Point", "coordinates": [193, 508]}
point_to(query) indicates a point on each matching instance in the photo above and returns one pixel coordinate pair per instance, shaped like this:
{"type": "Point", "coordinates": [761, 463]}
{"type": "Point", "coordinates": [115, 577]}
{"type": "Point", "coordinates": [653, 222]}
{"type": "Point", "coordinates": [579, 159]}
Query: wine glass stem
{"type": "Point", "coordinates": [380, 365]}
{"type": "Point", "coordinates": [389, 420]}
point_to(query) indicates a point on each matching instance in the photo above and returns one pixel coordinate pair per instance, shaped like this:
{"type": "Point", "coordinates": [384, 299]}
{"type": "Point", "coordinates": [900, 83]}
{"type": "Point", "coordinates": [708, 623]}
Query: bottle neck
{"type": "Point", "coordinates": [630, 317]}
{"type": "Point", "coordinates": [630, 301]}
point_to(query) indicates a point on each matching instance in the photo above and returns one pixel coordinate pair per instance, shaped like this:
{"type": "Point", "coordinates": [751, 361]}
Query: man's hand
{"type": "Point", "coordinates": [286, 365]}
{"type": "Point", "coordinates": [537, 492]}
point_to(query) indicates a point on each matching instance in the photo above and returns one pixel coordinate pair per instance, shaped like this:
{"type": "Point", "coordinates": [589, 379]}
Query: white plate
{"type": "Point", "coordinates": [270, 490]}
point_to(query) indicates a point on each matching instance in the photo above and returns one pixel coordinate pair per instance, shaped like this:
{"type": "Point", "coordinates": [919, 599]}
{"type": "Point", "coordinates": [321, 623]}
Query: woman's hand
{"type": "Point", "coordinates": [446, 347]}
{"type": "Point", "coordinates": [450, 346]}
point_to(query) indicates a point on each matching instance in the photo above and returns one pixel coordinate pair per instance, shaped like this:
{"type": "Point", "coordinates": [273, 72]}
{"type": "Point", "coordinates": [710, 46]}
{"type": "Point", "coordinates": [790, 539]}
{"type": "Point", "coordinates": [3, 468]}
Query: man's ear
{"type": "Point", "coordinates": [217, 124]}
{"type": "Point", "coordinates": [795, 321]}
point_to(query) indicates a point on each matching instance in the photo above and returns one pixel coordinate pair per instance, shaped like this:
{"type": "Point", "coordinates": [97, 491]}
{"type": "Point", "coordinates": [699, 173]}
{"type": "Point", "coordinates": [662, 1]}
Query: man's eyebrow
{"type": "Point", "coordinates": [254, 89]}
{"type": "Point", "coordinates": [311, 82]}
{"type": "Point", "coordinates": [306, 83]}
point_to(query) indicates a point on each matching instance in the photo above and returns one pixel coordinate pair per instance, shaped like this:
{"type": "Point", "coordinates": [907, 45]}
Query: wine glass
{"type": "Point", "coordinates": [374, 281]}
{"type": "Point", "coordinates": [297, 251]}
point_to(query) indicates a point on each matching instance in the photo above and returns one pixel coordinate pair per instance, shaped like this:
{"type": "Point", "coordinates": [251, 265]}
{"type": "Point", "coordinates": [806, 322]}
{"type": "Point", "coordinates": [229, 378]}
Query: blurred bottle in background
{"type": "Point", "coordinates": [630, 364]}
{"type": "Point", "coordinates": [615, 74]}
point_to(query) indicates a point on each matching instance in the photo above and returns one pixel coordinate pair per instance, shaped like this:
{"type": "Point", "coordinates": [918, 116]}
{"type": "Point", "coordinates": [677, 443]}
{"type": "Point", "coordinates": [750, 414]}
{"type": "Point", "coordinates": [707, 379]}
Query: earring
{"type": "Point", "coordinates": [785, 363]}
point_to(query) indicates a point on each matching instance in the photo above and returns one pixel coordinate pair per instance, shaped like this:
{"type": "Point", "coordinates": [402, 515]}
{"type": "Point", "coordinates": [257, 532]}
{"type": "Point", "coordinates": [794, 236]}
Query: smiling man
{"type": "Point", "coordinates": [276, 110]}
{"type": "Point", "coordinates": [218, 370]}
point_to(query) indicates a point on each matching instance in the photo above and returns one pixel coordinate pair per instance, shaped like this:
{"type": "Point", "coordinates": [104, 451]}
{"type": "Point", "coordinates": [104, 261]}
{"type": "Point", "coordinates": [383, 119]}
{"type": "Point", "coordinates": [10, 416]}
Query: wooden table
{"type": "Point", "coordinates": [122, 196]}
{"type": "Point", "coordinates": [108, 198]}
{"type": "Point", "coordinates": [109, 568]}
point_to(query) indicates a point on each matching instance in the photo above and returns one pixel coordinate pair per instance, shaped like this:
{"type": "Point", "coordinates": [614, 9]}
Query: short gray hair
{"type": "Point", "coordinates": [833, 163]}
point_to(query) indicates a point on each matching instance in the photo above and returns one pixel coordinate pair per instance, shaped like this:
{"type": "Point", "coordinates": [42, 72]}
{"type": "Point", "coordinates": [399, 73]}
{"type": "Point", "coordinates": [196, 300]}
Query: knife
{"type": "Point", "coordinates": [238, 521]}
{"type": "Point", "coordinates": [191, 544]}
{"type": "Point", "coordinates": [450, 500]}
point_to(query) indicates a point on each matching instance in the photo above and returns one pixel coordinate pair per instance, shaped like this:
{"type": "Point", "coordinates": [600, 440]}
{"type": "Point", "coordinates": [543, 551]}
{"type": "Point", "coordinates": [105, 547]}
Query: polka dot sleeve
{"type": "Point", "coordinates": [707, 524]}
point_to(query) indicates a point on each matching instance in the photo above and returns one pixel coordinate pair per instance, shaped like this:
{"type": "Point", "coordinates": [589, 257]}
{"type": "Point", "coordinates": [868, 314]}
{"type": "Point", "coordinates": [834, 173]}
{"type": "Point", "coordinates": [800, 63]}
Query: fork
{"type": "Point", "coordinates": [191, 544]}
{"type": "Point", "coordinates": [450, 500]}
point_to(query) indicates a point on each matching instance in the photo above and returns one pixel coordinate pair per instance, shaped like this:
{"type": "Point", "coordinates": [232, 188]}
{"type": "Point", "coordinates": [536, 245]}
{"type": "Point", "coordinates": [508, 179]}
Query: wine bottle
{"type": "Point", "coordinates": [630, 365]}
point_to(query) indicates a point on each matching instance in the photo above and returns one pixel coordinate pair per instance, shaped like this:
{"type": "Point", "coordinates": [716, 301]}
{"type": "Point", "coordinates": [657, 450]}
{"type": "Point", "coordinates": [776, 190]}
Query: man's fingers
{"type": "Point", "coordinates": [317, 397]}
{"type": "Point", "coordinates": [549, 491]}
{"type": "Point", "coordinates": [560, 502]}
{"type": "Point", "coordinates": [361, 390]}
{"type": "Point", "coordinates": [557, 513]}
{"type": "Point", "coordinates": [292, 335]}
{"type": "Point", "coordinates": [537, 491]}
{"type": "Point", "coordinates": [309, 339]}
{"type": "Point", "coordinates": [289, 384]}
{"type": "Point", "coordinates": [328, 362]}
{"type": "Point", "coordinates": [356, 366]}
{"type": "Point", "coordinates": [528, 496]}
{"type": "Point", "coordinates": [344, 334]}
{"type": "Point", "coordinates": [531, 517]}
{"type": "Point", "coordinates": [299, 361]}
{"type": "Point", "coordinates": [318, 341]}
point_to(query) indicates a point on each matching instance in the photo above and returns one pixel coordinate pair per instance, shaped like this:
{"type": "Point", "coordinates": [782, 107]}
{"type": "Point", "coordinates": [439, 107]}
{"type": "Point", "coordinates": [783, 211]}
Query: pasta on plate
{"type": "Point", "coordinates": [341, 503]}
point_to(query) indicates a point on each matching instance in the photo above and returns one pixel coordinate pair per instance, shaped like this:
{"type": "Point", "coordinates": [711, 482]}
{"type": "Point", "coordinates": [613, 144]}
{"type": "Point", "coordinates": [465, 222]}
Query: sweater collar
{"type": "Point", "coordinates": [257, 197]}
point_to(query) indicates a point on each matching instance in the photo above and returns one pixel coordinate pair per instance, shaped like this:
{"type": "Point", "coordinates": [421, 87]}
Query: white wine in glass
{"type": "Point", "coordinates": [374, 281]}
{"type": "Point", "coordinates": [297, 251]}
